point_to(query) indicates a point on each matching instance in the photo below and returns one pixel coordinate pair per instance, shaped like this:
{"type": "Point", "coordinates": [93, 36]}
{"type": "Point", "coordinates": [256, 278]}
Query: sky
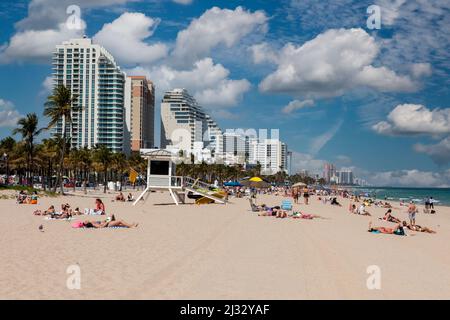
{"type": "Point", "coordinates": [375, 100]}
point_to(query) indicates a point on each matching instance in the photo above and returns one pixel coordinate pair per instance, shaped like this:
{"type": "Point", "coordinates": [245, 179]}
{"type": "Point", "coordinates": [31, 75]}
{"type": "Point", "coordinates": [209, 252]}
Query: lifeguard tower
{"type": "Point", "coordinates": [160, 176]}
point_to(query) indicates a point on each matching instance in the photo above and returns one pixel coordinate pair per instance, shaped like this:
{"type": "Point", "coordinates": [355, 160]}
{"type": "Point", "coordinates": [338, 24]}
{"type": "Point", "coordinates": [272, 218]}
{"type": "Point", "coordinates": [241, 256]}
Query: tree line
{"type": "Point", "coordinates": [52, 159]}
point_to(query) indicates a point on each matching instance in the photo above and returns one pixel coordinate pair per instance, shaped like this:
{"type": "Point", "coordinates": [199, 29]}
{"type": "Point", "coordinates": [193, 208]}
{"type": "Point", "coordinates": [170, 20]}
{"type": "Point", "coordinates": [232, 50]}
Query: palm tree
{"type": "Point", "coordinates": [102, 155]}
{"type": "Point", "coordinates": [119, 164]}
{"type": "Point", "coordinates": [47, 151]}
{"type": "Point", "coordinates": [7, 147]}
{"type": "Point", "coordinates": [85, 158]}
{"type": "Point", "coordinates": [58, 108]}
{"type": "Point", "coordinates": [28, 128]}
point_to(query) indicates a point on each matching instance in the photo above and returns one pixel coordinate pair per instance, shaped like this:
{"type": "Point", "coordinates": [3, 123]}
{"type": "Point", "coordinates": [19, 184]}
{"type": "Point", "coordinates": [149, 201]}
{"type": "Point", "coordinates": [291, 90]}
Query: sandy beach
{"type": "Point", "coordinates": [219, 252]}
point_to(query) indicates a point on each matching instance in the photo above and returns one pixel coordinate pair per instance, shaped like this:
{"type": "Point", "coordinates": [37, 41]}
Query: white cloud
{"type": "Point", "coordinates": [48, 14]}
{"type": "Point", "coordinates": [227, 93]}
{"type": "Point", "coordinates": [297, 105]}
{"type": "Point", "coordinates": [44, 27]}
{"type": "Point", "coordinates": [213, 28]}
{"type": "Point", "coordinates": [319, 142]}
{"type": "Point", "coordinates": [390, 10]}
{"type": "Point", "coordinates": [124, 38]}
{"type": "Point", "coordinates": [408, 178]}
{"type": "Point", "coordinates": [421, 70]}
{"type": "Point", "coordinates": [208, 82]}
{"type": "Point", "coordinates": [263, 52]}
{"type": "Point", "coordinates": [334, 62]}
{"type": "Point", "coordinates": [8, 114]}
{"type": "Point", "coordinates": [36, 45]}
{"type": "Point", "coordinates": [414, 119]}
{"type": "Point", "coordinates": [439, 152]}
{"type": "Point", "coordinates": [183, 1]}
{"type": "Point", "coordinates": [303, 161]}
{"type": "Point", "coordinates": [47, 86]}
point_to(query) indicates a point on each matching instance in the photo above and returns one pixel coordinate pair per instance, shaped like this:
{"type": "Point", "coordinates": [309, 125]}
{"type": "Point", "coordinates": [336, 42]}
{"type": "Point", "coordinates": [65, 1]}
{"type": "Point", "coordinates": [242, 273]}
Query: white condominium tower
{"type": "Point", "coordinates": [93, 76]}
{"type": "Point", "coordinates": [183, 121]}
{"type": "Point", "coordinates": [271, 154]}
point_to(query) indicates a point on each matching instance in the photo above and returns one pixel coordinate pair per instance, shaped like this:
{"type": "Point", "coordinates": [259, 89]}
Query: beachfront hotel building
{"type": "Point", "coordinates": [345, 176]}
{"type": "Point", "coordinates": [139, 113]}
{"type": "Point", "coordinates": [271, 154]}
{"type": "Point", "coordinates": [184, 122]}
{"type": "Point", "coordinates": [329, 171]}
{"type": "Point", "coordinates": [92, 75]}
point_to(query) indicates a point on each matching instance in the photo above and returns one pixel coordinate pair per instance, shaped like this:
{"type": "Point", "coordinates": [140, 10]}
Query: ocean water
{"type": "Point", "coordinates": [407, 194]}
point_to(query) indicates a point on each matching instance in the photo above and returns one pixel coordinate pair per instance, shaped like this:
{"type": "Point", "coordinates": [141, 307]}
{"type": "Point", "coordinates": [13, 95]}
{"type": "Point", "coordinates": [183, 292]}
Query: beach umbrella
{"type": "Point", "coordinates": [232, 184]}
{"type": "Point", "coordinates": [255, 182]}
{"type": "Point", "coordinates": [299, 184]}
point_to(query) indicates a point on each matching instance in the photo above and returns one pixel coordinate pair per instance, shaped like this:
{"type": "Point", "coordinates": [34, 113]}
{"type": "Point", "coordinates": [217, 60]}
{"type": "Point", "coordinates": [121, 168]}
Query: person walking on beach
{"type": "Point", "coordinates": [412, 209]}
{"type": "Point", "coordinates": [295, 195]}
{"type": "Point", "coordinates": [431, 203]}
{"type": "Point", "coordinates": [306, 195]}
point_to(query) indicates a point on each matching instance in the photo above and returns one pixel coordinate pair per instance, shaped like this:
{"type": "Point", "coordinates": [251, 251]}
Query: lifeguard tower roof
{"type": "Point", "coordinates": [156, 154]}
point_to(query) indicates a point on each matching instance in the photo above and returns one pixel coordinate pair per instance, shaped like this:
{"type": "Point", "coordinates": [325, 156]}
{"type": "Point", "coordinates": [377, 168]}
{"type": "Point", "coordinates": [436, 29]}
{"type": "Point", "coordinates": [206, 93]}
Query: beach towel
{"type": "Point", "coordinates": [64, 219]}
{"type": "Point", "coordinates": [92, 212]}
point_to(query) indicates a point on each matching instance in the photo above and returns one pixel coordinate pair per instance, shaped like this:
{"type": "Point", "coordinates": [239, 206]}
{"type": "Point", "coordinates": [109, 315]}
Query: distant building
{"type": "Point", "coordinates": [271, 154]}
{"type": "Point", "coordinates": [140, 112]}
{"type": "Point", "coordinates": [345, 176]}
{"type": "Point", "coordinates": [92, 75]}
{"type": "Point", "coordinates": [184, 122]}
{"type": "Point", "coordinates": [329, 171]}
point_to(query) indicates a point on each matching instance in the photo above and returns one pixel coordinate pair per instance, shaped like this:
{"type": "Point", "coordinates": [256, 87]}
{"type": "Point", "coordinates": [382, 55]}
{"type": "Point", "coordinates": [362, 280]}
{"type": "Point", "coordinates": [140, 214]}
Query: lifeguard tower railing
{"type": "Point", "coordinates": [202, 188]}
{"type": "Point", "coordinates": [164, 182]}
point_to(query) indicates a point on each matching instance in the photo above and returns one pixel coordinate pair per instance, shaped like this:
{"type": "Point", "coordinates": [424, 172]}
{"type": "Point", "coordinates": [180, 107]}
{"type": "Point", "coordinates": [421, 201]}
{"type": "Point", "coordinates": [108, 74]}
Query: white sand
{"type": "Point", "coordinates": [219, 252]}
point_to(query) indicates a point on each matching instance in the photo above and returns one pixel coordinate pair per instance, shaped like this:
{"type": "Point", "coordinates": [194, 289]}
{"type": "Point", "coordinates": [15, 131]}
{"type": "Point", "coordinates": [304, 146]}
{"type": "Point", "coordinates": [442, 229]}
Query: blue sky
{"type": "Point", "coordinates": [377, 101]}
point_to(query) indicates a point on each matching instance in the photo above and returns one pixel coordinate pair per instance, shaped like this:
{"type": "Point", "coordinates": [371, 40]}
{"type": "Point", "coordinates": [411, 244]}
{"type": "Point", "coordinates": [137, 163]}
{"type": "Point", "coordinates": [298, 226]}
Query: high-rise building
{"type": "Point", "coordinates": [345, 176]}
{"type": "Point", "coordinates": [140, 112]}
{"type": "Point", "coordinates": [329, 171]}
{"type": "Point", "coordinates": [184, 122]}
{"type": "Point", "coordinates": [92, 75]}
{"type": "Point", "coordinates": [271, 154]}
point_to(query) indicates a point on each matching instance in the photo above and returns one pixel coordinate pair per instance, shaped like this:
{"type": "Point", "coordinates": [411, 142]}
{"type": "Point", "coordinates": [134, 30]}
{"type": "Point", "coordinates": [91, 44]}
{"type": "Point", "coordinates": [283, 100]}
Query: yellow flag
{"type": "Point", "coordinates": [133, 175]}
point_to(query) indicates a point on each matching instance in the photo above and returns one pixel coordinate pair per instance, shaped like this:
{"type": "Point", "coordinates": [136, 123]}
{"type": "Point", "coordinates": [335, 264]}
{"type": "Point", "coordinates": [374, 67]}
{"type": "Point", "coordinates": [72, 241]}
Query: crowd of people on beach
{"type": "Point", "coordinates": [67, 213]}
{"type": "Point", "coordinates": [358, 205]}
{"type": "Point", "coordinates": [25, 198]}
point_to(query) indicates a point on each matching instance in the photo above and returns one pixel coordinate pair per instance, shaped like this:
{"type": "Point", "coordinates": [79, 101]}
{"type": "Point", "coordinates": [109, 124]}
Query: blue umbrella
{"type": "Point", "coordinates": [232, 184]}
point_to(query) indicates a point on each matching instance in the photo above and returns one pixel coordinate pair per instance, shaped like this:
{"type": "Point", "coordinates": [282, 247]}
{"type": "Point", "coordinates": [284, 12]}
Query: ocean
{"type": "Point", "coordinates": [407, 194]}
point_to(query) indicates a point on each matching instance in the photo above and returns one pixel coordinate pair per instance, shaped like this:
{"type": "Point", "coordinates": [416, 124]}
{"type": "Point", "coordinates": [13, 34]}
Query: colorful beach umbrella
{"type": "Point", "coordinates": [255, 182]}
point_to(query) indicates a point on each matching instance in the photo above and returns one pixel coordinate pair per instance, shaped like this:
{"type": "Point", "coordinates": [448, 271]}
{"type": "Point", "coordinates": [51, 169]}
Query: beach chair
{"type": "Point", "coordinates": [286, 205]}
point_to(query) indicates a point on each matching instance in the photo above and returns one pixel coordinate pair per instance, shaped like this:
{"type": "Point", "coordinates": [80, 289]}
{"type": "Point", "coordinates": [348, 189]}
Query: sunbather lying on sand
{"type": "Point", "coordinates": [390, 218]}
{"type": "Point", "coordinates": [49, 211]}
{"type": "Point", "coordinates": [109, 223]}
{"type": "Point", "coordinates": [267, 211]}
{"type": "Point", "coordinates": [417, 228]}
{"type": "Point", "coordinates": [362, 210]}
{"type": "Point", "coordinates": [397, 230]}
{"type": "Point", "coordinates": [299, 215]}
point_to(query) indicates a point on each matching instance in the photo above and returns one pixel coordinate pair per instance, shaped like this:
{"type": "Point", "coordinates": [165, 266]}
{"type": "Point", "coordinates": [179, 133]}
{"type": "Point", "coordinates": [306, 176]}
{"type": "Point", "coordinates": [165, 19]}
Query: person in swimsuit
{"type": "Point", "coordinates": [417, 228]}
{"type": "Point", "coordinates": [109, 223]}
{"type": "Point", "coordinates": [49, 211]}
{"type": "Point", "coordinates": [412, 209]}
{"type": "Point", "coordinates": [300, 215]}
{"type": "Point", "coordinates": [397, 230]}
{"type": "Point", "coordinates": [390, 218]}
{"type": "Point", "coordinates": [306, 195]}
